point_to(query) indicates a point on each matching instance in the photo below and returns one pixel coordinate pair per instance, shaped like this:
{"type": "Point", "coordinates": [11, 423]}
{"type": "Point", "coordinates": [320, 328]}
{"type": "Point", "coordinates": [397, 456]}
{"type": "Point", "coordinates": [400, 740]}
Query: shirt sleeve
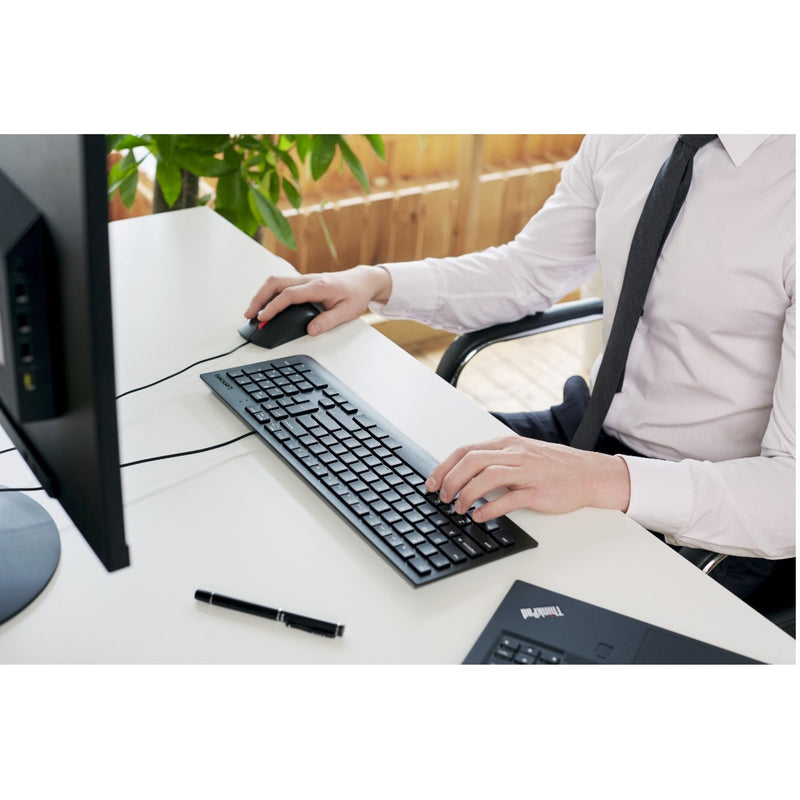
{"type": "Point", "coordinates": [551, 256]}
{"type": "Point", "coordinates": [743, 507]}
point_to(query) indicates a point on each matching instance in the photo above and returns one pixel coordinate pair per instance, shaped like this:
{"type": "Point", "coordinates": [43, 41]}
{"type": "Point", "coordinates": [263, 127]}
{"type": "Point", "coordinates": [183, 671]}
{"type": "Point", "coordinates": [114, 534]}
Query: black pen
{"type": "Point", "coordinates": [292, 620]}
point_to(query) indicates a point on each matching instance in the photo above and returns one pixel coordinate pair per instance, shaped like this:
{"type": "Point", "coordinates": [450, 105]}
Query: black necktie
{"type": "Point", "coordinates": [659, 212]}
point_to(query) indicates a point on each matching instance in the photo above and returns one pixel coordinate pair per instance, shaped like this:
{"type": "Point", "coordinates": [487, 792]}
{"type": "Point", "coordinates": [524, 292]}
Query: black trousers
{"type": "Point", "coordinates": [558, 424]}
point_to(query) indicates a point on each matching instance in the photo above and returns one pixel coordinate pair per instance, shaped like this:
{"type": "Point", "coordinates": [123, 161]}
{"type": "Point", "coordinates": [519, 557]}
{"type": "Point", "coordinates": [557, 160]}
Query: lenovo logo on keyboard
{"type": "Point", "coordinates": [540, 613]}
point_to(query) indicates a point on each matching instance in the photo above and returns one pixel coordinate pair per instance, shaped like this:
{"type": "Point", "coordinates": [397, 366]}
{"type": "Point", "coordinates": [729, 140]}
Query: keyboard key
{"type": "Point", "coordinates": [467, 545]}
{"type": "Point", "coordinates": [406, 551]}
{"type": "Point", "coordinates": [454, 553]}
{"type": "Point", "coordinates": [482, 538]}
{"type": "Point", "coordinates": [420, 566]}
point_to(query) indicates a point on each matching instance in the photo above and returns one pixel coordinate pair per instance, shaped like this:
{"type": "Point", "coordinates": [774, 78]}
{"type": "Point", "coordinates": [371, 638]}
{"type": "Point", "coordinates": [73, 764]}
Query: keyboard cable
{"type": "Point", "coordinates": [135, 463]}
{"type": "Point", "coordinates": [152, 458]}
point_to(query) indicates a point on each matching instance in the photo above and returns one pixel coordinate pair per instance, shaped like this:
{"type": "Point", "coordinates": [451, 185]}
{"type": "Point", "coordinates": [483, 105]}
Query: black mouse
{"type": "Point", "coordinates": [286, 325]}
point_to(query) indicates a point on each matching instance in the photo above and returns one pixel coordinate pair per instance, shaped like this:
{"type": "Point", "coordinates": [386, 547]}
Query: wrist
{"type": "Point", "coordinates": [613, 483]}
{"type": "Point", "coordinates": [380, 283]}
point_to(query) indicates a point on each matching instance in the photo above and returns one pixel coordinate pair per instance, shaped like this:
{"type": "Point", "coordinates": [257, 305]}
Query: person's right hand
{"type": "Point", "coordinates": [344, 295]}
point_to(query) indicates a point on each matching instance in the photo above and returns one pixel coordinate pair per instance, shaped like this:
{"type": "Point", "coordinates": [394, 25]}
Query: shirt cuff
{"type": "Point", "coordinates": [414, 293]}
{"type": "Point", "coordinates": [661, 495]}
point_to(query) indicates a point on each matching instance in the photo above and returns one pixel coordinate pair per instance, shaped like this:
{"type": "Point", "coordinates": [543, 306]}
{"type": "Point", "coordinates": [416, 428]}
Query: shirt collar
{"type": "Point", "coordinates": [740, 146]}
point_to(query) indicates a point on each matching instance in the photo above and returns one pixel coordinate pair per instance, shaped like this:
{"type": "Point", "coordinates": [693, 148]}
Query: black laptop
{"type": "Point", "coordinates": [533, 625]}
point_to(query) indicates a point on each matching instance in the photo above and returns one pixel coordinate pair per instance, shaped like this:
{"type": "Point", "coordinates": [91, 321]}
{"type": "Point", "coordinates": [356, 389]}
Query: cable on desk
{"type": "Point", "coordinates": [140, 461]}
{"type": "Point", "coordinates": [7, 450]}
{"type": "Point", "coordinates": [181, 371]}
{"type": "Point", "coordinates": [188, 452]}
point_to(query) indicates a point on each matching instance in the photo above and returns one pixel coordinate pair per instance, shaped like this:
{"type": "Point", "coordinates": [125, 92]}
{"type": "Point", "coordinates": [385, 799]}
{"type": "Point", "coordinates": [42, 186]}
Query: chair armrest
{"type": "Point", "coordinates": [562, 315]}
{"type": "Point", "coordinates": [704, 560]}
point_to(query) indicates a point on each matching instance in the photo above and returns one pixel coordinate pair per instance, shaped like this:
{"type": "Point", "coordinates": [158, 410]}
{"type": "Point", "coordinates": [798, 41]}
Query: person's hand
{"type": "Point", "coordinates": [344, 295]}
{"type": "Point", "coordinates": [542, 476]}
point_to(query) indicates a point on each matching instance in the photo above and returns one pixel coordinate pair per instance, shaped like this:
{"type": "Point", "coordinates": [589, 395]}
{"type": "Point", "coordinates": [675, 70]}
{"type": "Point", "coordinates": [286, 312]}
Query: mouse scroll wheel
{"type": "Point", "coordinates": [261, 325]}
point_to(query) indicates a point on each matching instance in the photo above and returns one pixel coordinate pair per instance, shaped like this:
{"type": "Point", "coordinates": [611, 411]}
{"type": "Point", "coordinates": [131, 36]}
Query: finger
{"type": "Point", "coordinates": [330, 318]}
{"type": "Point", "coordinates": [472, 465]}
{"type": "Point", "coordinates": [434, 482]}
{"type": "Point", "coordinates": [289, 294]}
{"type": "Point", "coordinates": [492, 477]}
{"type": "Point", "coordinates": [271, 287]}
{"type": "Point", "coordinates": [500, 506]}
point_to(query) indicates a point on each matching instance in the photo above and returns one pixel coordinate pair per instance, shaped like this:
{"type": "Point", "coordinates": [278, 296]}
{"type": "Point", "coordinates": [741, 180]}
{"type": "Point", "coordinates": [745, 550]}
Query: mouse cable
{"type": "Point", "coordinates": [181, 371]}
{"type": "Point", "coordinates": [188, 452]}
{"type": "Point", "coordinates": [9, 450]}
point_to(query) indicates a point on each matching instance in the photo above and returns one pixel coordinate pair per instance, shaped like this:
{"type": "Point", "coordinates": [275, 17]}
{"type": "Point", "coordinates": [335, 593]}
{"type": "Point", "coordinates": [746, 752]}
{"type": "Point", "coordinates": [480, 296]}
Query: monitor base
{"type": "Point", "coordinates": [30, 549]}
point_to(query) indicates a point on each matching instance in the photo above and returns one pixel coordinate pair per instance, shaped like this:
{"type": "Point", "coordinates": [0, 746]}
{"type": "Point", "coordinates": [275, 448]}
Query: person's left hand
{"type": "Point", "coordinates": [542, 476]}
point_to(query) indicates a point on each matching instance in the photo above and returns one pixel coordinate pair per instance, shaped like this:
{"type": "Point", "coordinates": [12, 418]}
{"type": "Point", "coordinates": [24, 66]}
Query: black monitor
{"type": "Point", "coordinates": [57, 397]}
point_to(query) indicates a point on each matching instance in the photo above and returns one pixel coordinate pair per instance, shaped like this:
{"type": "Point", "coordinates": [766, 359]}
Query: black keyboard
{"type": "Point", "coordinates": [362, 466]}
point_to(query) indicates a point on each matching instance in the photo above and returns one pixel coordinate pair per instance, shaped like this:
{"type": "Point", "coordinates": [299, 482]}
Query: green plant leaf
{"type": "Point", "coordinates": [203, 165]}
{"type": "Point", "coordinates": [168, 175]}
{"type": "Point", "coordinates": [121, 171]}
{"type": "Point", "coordinates": [377, 144]}
{"type": "Point", "coordinates": [207, 143]}
{"type": "Point", "coordinates": [164, 144]}
{"type": "Point", "coordinates": [290, 163]}
{"type": "Point", "coordinates": [232, 202]}
{"type": "Point", "coordinates": [127, 189]}
{"type": "Point", "coordinates": [292, 193]}
{"type": "Point", "coordinates": [271, 216]}
{"type": "Point", "coordinates": [124, 141]}
{"type": "Point", "coordinates": [274, 187]}
{"type": "Point", "coordinates": [355, 165]}
{"type": "Point", "coordinates": [124, 175]}
{"type": "Point", "coordinates": [327, 234]}
{"type": "Point", "coordinates": [303, 142]}
{"type": "Point", "coordinates": [323, 150]}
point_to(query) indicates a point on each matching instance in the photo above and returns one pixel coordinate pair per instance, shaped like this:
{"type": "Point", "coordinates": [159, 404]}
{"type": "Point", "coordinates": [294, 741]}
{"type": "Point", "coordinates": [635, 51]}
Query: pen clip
{"type": "Point", "coordinates": [309, 629]}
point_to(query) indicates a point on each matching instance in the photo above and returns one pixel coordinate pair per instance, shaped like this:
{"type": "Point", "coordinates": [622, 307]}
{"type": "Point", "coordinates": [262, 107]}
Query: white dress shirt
{"type": "Point", "coordinates": [709, 389]}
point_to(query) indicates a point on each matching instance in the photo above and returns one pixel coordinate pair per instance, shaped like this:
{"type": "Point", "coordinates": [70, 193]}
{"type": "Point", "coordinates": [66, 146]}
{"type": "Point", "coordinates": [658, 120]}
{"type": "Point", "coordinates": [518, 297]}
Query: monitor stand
{"type": "Point", "coordinates": [29, 551]}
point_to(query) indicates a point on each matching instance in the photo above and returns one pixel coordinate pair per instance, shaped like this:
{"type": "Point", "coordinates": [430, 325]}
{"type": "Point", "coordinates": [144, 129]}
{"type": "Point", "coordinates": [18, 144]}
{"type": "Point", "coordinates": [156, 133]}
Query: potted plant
{"type": "Point", "coordinates": [252, 172]}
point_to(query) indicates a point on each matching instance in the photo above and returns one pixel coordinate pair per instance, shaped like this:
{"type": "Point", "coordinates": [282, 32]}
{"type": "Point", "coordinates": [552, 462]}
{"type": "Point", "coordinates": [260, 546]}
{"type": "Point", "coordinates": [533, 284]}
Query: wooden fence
{"type": "Point", "coordinates": [433, 196]}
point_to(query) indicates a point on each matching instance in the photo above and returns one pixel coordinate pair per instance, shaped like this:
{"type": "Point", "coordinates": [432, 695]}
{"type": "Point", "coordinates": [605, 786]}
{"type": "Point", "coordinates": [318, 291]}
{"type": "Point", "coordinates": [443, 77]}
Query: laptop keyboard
{"type": "Point", "coordinates": [510, 649]}
{"type": "Point", "coordinates": [363, 467]}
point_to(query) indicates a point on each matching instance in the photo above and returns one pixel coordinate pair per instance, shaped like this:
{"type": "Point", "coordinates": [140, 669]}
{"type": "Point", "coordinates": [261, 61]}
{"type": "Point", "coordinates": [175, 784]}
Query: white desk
{"type": "Point", "coordinates": [238, 521]}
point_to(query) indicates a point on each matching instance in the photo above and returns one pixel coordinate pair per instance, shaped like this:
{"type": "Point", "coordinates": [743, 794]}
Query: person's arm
{"type": "Point", "coordinates": [552, 255]}
{"type": "Point", "coordinates": [744, 506]}
{"type": "Point", "coordinates": [741, 507]}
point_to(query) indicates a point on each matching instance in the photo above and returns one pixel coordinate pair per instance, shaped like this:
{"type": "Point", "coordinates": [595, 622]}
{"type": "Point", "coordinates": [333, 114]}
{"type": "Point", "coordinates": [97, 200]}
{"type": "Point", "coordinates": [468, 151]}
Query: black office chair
{"type": "Point", "coordinates": [776, 597]}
